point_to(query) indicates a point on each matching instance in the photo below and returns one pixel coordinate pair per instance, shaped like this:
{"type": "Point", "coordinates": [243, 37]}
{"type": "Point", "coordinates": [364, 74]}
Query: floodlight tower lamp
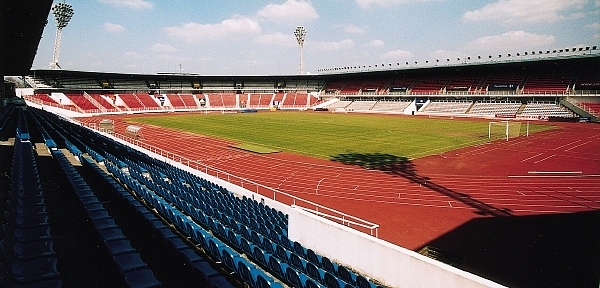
{"type": "Point", "coordinates": [300, 34]}
{"type": "Point", "coordinates": [62, 15]}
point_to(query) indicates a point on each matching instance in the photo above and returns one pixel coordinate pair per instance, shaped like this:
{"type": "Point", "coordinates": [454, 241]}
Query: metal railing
{"type": "Point", "coordinates": [276, 195]}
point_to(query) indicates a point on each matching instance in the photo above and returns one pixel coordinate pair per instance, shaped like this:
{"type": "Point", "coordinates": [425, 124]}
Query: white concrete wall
{"type": "Point", "coordinates": [61, 98]}
{"type": "Point", "coordinates": [387, 263]}
{"type": "Point", "coordinates": [412, 107]}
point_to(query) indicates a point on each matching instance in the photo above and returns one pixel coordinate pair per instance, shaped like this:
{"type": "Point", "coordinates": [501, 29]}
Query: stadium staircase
{"type": "Point", "coordinates": [520, 110]}
{"type": "Point", "coordinates": [93, 101]}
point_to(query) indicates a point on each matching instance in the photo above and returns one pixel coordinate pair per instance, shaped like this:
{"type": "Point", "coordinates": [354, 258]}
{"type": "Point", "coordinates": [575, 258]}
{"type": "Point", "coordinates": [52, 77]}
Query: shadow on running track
{"type": "Point", "coordinates": [403, 167]}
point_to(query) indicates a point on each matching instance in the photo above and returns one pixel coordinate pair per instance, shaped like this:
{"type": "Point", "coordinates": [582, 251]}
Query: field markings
{"type": "Point", "coordinates": [563, 146]}
{"type": "Point", "coordinates": [544, 159]}
{"type": "Point", "coordinates": [532, 157]}
{"type": "Point", "coordinates": [578, 146]}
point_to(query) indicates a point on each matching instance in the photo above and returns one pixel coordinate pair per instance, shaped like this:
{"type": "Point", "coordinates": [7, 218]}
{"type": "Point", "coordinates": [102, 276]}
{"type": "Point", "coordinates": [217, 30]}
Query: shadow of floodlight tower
{"type": "Point", "coordinates": [62, 15]}
{"type": "Point", "coordinates": [300, 34]}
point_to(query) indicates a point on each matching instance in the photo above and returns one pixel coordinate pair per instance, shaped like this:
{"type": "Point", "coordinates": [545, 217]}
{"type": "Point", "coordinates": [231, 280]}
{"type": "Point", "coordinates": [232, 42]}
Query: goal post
{"type": "Point", "coordinates": [506, 129]}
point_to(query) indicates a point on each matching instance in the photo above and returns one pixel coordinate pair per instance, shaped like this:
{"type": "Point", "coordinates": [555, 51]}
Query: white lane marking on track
{"type": "Point", "coordinates": [578, 145]}
{"type": "Point", "coordinates": [532, 157]}
{"type": "Point", "coordinates": [544, 159]}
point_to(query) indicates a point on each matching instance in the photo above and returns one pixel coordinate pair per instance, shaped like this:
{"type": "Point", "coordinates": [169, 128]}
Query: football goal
{"type": "Point", "coordinates": [506, 130]}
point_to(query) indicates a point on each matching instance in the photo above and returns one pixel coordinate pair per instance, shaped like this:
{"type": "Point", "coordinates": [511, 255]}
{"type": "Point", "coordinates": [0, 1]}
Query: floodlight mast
{"type": "Point", "coordinates": [62, 15]}
{"type": "Point", "coordinates": [300, 34]}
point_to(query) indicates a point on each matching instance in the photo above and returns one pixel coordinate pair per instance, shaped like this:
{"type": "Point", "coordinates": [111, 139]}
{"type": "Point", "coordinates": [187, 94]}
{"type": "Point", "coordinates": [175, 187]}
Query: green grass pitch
{"type": "Point", "coordinates": [325, 135]}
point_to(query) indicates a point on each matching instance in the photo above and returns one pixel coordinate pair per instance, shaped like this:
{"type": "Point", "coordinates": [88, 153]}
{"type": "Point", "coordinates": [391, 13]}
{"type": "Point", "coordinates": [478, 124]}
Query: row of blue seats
{"type": "Point", "coordinates": [215, 247]}
{"type": "Point", "coordinates": [27, 245]}
{"type": "Point", "coordinates": [197, 265]}
{"type": "Point", "coordinates": [217, 228]}
{"type": "Point", "coordinates": [22, 127]}
{"type": "Point", "coordinates": [134, 271]}
{"type": "Point", "coordinates": [181, 180]}
{"type": "Point", "coordinates": [48, 141]}
{"type": "Point", "coordinates": [185, 177]}
{"type": "Point", "coordinates": [208, 201]}
{"type": "Point", "coordinates": [212, 219]}
{"type": "Point", "coordinates": [256, 253]}
{"type": "Point", "coordinates": [212, 208]}
{"type": "Point", "coordinates": [320, 262]}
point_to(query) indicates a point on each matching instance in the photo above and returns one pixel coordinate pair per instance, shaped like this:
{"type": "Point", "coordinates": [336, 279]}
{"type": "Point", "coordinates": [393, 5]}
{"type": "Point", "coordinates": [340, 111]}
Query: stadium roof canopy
{"type": "Point", "coordinates": [86, 80]}
{"type": "Point", "coordinates": [22, 23]}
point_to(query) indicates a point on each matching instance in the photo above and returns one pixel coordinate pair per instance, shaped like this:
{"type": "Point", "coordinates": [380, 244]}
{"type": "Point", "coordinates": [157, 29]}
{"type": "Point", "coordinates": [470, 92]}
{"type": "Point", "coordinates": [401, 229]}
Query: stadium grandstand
{"type": "Point", "coordinates": [84, 205]}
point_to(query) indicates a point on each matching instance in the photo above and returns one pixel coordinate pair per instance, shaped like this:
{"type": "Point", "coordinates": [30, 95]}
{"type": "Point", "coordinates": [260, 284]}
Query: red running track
{"type": "Point", "coordinates": [556, 171]}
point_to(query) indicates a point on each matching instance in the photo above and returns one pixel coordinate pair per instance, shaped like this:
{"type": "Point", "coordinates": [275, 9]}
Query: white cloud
{"type": "Point", "coordinates": [278, 38]}
{"type": "Point", "coordinates": [162, 48]}
{"type": "Point", "coordinates": [383, 3]}
{"type": "Point", "coordinates": [376, 43]}
{"type": "Point", "coordinates": [597, 2]}
{"type": "Point", "coordinates": [351, 28]}
{"type": "Point", "coordinates": [111, 27]}
{"type": "Point", "coordinates": [132, 4]}
{"type": "Point", "coordinates": [237, 26]}
{"type": "Point", "coordinates": [595, 26]}
{"type": "Point", "coordinates": [397, 55]}
{"type": "Point", "coordinates": [324, 45]}
{"type": "Point", "coordinates": [291, 11]}
{"type": "Point", "coordinates": [510, 42]}
{"type": "Point", "coordinates": [532, 11]}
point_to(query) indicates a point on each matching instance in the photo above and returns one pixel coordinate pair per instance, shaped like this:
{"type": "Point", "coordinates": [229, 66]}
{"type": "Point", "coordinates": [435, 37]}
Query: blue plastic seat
{"type": "Point", "coordinates": [282, 253]}
{"type": "Point", "coordinates": [293, 278]}
{"type": "Point", "coordinates": [143, 278]}
{"type": "Point", "coordinates": [311, 256]}
{"type": "Point", "coordinates": [244, 269]}
{"type": "Point", "coordinates": [30, 250]}
{"type": "Point", "coordinates": [34, 270]}
{"type": "Point", "coordinates": [297, 263]}
{"type": "Point", "coordinates": [332, 281]}
{"type": "Point", "coordinates": [314, 272]}
{"type": "Point", "coordinates": [261, 257]}
{"type": "Point", "coordinates": [262, 282]}
{"type": "Point", "coordinates": [299, 249]}
{"type": "Point", "coordinates": [362, 282]}
{"type": "Point", "coordinates": [201, 237]}
{"type": "Point", "coordinates": [204, 271]}
{"type": "Point", "coordinates": [234, 239]}
{"type": "Point", "coordinates": [214, 248]}
{"type": "Point", "coordinates": [177, 244]}
{"type": "Point", "coordinates": [111, 234]}
{"type": "Point", "coordinates": [105, 223]}
{"type": "Point", "coordinates": [309, 283]}
{"type": "Point", "coordinates": [220, 282]}
{"type": "Point", "coordinates": [129, 262]}
{"type": "Point", "coordinates": [29, 221]}
{"type": "Point", "coordinates": [118, 247]}
{"type": "Point", "coordinates": [328, 265]}
{"type": "Point", "coordinates": [24, 235]}
{"type": "Point", "coordinates": [346, 275]}
{"type": "Point", "coordinates": [277, 267]}
{"type": "Point", "coordinates": [190, 257]}
{"type": "Point", "coordinates": [268, 245]}
{"type": "Point", "coordinates": [228, 257]}
{"type": "Point", "coordinates": [247, 247]}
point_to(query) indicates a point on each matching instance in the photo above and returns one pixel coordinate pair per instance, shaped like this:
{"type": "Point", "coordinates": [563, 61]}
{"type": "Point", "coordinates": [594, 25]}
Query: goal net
{"type": "Point", "coordinates": [504, 130]}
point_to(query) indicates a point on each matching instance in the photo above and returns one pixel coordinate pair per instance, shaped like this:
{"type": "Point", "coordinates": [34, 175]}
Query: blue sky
{"type": "Point", "coordinates": [225, 37]}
